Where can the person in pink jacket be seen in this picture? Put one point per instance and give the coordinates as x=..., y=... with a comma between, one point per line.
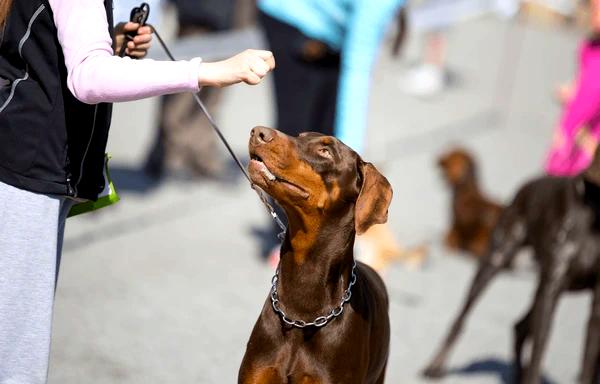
x=578, y=133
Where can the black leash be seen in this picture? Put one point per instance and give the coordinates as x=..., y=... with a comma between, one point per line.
x=140, y=15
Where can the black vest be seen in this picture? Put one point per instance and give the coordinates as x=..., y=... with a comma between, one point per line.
x=50, y=142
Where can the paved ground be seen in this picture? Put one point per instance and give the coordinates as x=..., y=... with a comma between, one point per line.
x=165, y=287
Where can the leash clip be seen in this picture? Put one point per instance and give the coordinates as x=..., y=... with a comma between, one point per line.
x=280, y=235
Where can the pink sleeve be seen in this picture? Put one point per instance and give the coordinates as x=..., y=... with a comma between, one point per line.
x=586, y=101
x=95, y=75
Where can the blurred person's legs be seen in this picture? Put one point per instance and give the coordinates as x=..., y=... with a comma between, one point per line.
x=306, y=79
x=306, y=82
x=185, y=141
x=31, y=233
x=435, y=18
x=429, y=77
x=550, y=12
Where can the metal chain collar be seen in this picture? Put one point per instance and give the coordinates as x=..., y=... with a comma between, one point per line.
x=319, y=321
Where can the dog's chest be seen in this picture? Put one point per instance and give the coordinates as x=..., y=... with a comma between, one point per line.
x=299, y=357
x=277, y=375
x=288, y=366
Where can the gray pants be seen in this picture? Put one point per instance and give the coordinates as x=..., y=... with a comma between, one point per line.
x=31, y=232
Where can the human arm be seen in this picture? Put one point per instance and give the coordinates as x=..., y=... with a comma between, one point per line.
x=95, y=75
x=585, y=102
x=365, y=31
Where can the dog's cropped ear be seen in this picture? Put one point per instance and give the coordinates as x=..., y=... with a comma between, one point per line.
x=373, y=200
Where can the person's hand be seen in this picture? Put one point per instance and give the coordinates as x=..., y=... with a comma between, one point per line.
x=565, y=93
x=586, y=141
x=138, y=47
x=250, y=67
x=558, y=139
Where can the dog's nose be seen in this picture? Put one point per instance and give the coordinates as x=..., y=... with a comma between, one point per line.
x=262, y=135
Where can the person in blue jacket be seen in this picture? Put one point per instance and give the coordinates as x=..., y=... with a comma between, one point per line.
x=325, y=51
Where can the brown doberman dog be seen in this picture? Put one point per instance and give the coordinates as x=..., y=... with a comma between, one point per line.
x=325, y=321
x=560, y=219
x=474, y=216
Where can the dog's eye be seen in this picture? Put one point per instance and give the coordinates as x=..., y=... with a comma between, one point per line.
x=325, y=152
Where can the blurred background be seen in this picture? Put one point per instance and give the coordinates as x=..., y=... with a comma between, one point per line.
x=165, y=286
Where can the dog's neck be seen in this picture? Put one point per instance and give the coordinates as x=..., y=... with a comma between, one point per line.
x=316, y=263
x=469, y=185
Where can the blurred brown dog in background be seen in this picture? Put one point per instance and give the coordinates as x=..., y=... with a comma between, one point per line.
x=473, y=214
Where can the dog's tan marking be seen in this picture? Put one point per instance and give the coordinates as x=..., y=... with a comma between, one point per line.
x=327, y=140
x=309, y=380
x=303, y=240
x=268, y=375
x=305, y=226
x=336, y=192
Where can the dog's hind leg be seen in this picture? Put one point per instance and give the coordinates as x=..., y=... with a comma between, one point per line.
x=591, y=354
x=507, y=238
x=485, y=273
x=598, y=369
x=522, y=331
x=552, y=279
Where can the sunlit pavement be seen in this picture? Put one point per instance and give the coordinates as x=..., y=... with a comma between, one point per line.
x=165, y=286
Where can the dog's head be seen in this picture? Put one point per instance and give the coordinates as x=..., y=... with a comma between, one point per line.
x=317, y=176
x=458, y=167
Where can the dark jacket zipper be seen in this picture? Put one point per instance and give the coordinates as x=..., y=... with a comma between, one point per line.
x=70, y=190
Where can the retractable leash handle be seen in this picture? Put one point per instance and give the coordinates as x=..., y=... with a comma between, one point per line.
x=140, y=15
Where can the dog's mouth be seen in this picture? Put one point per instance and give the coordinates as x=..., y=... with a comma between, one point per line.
x=262, y=168
x=258, y=167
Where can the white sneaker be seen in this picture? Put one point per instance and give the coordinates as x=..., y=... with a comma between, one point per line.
x=423, y=81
